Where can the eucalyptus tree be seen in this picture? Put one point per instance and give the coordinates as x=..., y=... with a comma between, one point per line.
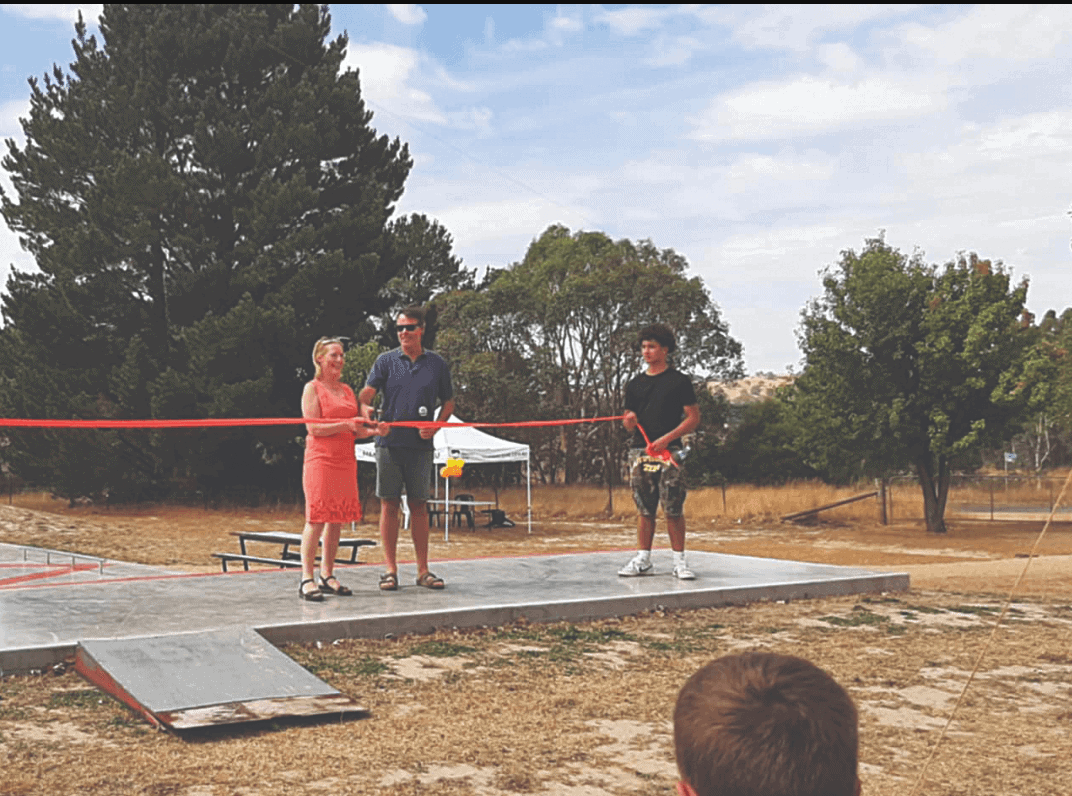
x=576, y=303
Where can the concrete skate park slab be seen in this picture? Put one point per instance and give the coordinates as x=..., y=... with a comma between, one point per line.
x=42, y=619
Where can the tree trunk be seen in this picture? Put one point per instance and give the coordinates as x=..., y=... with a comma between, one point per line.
x=611, y=469
x=161, y=322
x=1042, y=441
x=934, y=481
x=566, y=440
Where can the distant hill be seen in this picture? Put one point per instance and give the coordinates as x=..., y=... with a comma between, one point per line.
x=749, y=390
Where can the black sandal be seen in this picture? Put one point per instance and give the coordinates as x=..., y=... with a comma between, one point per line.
x=339, y=589
x=389, y=581
x=314, y=596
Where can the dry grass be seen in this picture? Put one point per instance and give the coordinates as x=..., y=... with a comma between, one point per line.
x=706, y=504
x=557, y=501
x=583, y=709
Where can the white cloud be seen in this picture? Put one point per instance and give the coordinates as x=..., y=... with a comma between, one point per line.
x=795, y=27
x=478, y=119
x=750, y=250
x=768, y=334
x=10, y=249
x=634, y=19
x=1035, y=147
x=525, y=45
x=667, y=167
x=443, y=78
x=487, y=221
x=673, y=50
x=1029, y=136
x=10, y=113
x=407, y=13
x=11, y=252
x=807, y=104
x=61, y=12
x=566, y=24
x=386, y=74
x=754, y=172
x=838, y=57
x=1003, y=32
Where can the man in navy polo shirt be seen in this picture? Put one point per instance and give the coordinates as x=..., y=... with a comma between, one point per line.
x=414, y=381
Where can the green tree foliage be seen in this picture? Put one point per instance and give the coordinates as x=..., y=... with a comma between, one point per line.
x=429, y=268
x=1046, y=439
x=707, y=463
x=493, y=383
x=562, y=326
x=909, y=364
x=762, y=449
x=204, y=196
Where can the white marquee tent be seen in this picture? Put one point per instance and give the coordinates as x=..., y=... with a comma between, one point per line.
x=473, y=446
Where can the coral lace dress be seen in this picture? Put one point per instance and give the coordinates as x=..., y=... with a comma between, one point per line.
x=329, y=475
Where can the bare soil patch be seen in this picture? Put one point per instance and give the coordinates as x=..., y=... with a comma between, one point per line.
x=585, y=708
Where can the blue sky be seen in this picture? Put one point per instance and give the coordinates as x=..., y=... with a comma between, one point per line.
x=759, y=142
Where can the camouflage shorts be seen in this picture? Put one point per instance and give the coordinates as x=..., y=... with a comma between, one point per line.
x=654, y=480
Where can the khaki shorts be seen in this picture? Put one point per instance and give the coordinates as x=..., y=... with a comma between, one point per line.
x=406, y=470
x=654, y=481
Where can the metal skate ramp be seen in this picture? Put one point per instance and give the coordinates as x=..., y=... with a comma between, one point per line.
x=185, y=681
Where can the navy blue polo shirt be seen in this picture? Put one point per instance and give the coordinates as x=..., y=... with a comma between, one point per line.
x=411, y=391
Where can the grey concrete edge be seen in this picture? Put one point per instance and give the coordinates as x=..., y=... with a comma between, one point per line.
x=393, y=625
x=26, y=660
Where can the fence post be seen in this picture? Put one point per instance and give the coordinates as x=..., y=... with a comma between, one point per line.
x=880, y=485
x=991, y=499
x=723, y=497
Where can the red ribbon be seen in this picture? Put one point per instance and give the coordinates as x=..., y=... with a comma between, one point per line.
x=269, y=421
x=11, y=422
x=664, y=455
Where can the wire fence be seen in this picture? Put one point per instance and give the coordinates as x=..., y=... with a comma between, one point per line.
x=982, y=497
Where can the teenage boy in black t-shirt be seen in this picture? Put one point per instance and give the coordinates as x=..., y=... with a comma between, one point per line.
x=662, y=401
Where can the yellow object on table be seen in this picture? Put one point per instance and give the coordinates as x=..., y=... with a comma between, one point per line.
x=453, y=468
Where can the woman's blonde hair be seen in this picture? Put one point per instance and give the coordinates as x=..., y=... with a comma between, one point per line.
x=319, y=347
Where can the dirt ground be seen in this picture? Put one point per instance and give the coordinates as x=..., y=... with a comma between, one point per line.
x=584, y=709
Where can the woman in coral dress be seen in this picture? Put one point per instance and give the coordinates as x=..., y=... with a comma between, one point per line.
x=329, y=475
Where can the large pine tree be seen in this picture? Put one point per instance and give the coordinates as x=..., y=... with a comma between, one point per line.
x=204, y=196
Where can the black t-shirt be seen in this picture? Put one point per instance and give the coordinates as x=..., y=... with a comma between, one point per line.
x=659, y=402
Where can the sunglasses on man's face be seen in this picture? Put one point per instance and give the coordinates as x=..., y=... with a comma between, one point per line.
x=407, y=327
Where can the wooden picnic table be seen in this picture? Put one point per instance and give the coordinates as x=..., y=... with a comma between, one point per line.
x=288, y=557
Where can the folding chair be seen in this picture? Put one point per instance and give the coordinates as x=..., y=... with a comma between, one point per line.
x=460, y=511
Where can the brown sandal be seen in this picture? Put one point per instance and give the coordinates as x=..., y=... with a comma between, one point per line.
x=430, y=581
x=389, y=581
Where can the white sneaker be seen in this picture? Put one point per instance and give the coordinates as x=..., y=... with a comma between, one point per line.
x=637, y=566
x=682, y=572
